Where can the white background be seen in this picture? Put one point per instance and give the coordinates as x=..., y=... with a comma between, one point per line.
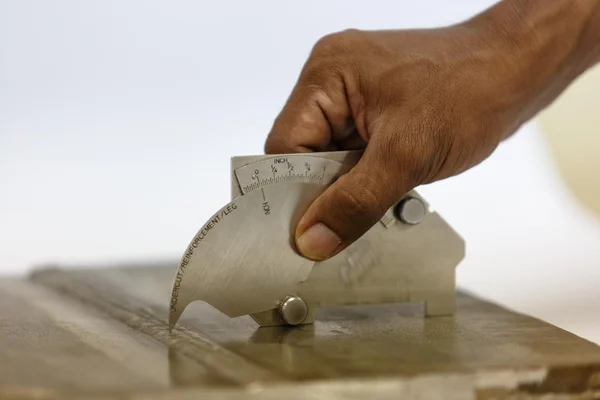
x=118, y=119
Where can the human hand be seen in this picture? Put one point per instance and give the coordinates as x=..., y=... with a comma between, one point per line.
x=423, y=104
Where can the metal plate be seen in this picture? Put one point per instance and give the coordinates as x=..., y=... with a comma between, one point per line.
x=395, y=261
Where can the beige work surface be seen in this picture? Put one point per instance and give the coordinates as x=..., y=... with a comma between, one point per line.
x=103, y=334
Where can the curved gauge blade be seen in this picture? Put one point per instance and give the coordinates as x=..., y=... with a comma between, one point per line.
x=304, y=168
x=243, y=261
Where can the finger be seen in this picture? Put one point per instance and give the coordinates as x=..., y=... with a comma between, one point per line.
x=352, y=142
x=350, y=206
x=316, y=112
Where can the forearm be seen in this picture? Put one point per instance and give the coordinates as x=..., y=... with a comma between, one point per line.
x=551, y=32
x=549, y=43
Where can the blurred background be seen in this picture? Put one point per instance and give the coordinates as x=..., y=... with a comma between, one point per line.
x=118, y=119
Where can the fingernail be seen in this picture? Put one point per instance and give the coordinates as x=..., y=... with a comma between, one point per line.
x=318, y=242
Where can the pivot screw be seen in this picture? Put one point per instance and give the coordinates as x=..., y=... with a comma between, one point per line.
x=411, y=211
x=293, y=310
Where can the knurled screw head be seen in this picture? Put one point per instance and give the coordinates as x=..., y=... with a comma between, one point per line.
x=411, y=211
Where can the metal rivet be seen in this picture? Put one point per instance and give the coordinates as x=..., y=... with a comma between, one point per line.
x=293, y=310
x=411, y=211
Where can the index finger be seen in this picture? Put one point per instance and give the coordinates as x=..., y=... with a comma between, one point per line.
x=316, y=110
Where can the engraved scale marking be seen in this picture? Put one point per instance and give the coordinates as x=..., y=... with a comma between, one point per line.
x=288, y=169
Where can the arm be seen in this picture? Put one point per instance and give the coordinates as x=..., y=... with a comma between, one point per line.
x=425, y=104
x=553, y=41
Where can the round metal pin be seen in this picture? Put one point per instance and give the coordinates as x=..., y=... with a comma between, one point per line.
x=411, y=211
x=293, y=310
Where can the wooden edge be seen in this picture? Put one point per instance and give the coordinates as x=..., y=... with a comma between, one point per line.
x=484, y=385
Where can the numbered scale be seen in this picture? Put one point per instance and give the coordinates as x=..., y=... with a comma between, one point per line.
x=288, y=169
x=243, y=260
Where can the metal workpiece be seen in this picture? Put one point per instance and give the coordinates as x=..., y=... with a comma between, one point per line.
x=243, y=260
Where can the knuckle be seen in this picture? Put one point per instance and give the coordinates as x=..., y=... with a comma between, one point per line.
x=338, y=41
x=328, y=44
x=332, y=54
x=315, y=93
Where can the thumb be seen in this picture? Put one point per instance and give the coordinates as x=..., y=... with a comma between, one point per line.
x=350, y=206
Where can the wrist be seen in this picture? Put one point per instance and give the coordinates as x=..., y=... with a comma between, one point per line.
x=546, y=44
